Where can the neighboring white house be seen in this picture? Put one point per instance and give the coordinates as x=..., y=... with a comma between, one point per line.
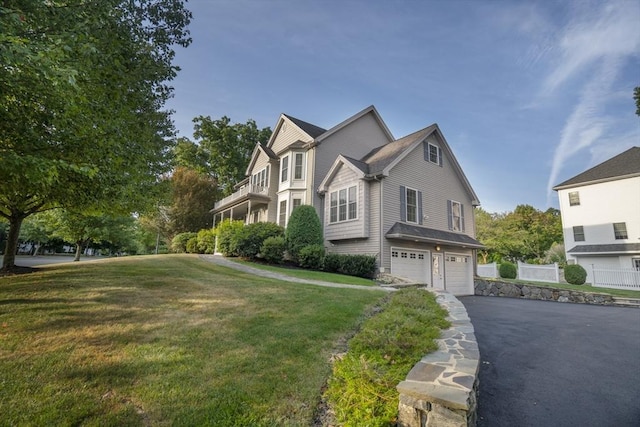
x=405, y=201
x=601, y=214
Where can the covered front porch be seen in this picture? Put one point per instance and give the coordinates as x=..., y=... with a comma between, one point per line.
x=248, y=204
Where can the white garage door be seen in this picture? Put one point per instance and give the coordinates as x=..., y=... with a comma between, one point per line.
x=411, y=264
x=458, y=274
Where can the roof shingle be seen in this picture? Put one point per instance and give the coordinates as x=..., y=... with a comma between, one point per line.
x=312, y=130
x=624, y=164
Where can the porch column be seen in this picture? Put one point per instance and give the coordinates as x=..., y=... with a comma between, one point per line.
x=248, y=220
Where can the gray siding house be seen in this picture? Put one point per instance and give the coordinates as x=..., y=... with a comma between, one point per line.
x=405, y=201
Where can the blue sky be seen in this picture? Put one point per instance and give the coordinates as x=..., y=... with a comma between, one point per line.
x=527, y=93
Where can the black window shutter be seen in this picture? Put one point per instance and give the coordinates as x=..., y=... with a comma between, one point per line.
x=440, y=156
x=403, y=203
x=449, y=214
x=425, y=145
x=462, y=216
x=420, y=207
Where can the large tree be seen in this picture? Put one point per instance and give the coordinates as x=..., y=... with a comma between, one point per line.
x=636, y=97
x=82, y=92
x=193, y=197
x=221, y=150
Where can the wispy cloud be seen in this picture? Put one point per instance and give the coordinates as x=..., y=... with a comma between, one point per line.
x=595, y=43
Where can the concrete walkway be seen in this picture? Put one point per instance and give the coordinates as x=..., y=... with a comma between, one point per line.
x=225, y=262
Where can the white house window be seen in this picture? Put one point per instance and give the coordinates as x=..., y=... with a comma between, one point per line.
x=343, y=204
x=434, y=154
x=298, y=162
x=620, y=230
x=261, y=178
x=635, y=262
x=296, y=203
x=574, y=198
x=284, y=169
x=456, y=216
x=578, y=233
x=282, y=220
x=412, y=205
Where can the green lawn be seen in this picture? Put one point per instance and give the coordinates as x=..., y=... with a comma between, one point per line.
x=301, y=273
x=582, y=288
x=166, y=340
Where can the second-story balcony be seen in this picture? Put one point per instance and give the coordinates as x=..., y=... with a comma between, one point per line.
x=248, y=192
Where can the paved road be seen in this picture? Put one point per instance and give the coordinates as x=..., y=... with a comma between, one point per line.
x=34, y=261
x=554, y=364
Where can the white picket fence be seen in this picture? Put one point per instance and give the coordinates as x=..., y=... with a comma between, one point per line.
x=488, y=270
x=539, y=273
x=621, y=278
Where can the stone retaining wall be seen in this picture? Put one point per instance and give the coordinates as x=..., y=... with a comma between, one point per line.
x=497, y=288
x=441, y=389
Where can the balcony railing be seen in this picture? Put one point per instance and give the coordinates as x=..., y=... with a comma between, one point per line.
x=244, y=191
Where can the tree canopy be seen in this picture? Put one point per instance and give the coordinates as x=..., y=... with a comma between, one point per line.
x=524, y=234
x=222, y=149
x=82, y=89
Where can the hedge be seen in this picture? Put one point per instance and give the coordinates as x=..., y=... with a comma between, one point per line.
x=351, y=265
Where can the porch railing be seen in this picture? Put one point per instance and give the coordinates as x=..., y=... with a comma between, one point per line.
x=249, y=189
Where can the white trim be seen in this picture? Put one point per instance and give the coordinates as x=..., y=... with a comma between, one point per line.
x=337, y=191
x=339, y=161
x=438, y=155
x=406, y=205
x=345, y=123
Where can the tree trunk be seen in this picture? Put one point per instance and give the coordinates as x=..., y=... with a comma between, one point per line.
x=79, y=245
x=9, y=258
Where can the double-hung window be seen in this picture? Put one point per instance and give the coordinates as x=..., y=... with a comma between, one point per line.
x=284, y=169
x=620, y=230
x=456, y=216
x=261, y=179
x=343, y=204
x=578, y=233
x=574, y=198
x=282, y=219
x=298, y=162
x=433, y=153
x=412, y=205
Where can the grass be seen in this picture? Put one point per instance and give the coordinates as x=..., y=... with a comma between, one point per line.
x=302, y=273
x=625, y=293
x=166, y=340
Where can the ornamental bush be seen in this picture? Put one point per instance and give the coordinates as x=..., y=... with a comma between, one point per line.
x=312, y=257
x=575, y=274
x=351, y=265
x=179, y=242
x=226, y=233
x=508, y=270
x=249, y=240
x=272, y=249
x=192, y=245
x=206, y=241
x=303, y=229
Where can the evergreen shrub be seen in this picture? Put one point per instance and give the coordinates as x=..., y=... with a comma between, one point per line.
x=575, y=274
x=179, y=242
x=303, y=229
x=192, y=245
x=206, y=241
x=272, y=249
x=249, y=240
x=312, y=257
x=508, y=270
x=226, y=232
x=351, y=265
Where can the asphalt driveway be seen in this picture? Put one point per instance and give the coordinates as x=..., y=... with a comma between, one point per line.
x=556, y=364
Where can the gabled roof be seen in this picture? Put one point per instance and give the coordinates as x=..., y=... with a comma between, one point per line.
x=624, y=165
x=379, y=158
x=358, y=167
x=369, y=110
x=312, y=130
x=403, y=231
x=254, y=156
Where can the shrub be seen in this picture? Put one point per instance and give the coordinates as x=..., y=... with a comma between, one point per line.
x=179, y=242
x=249, y=240
x=575, y=274
x=304, y=229
x=272, y=249
x=556, y=254
x=206, y=241
x=351, y=265
x=312, y=257
x=192, y=245
x=226, y=233
x=507, y=270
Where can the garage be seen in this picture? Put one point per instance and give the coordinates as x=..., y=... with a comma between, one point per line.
x=458, y=274
x=411, y=264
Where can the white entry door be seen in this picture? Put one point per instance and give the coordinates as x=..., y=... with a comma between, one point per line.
x=437, y=267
